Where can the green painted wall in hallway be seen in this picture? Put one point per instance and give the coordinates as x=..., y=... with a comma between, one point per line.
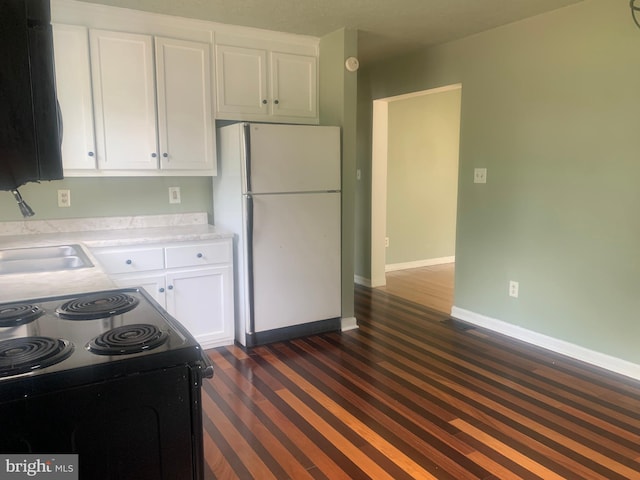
x=422, y=177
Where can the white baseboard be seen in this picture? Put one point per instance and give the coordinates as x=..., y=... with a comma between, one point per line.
x=349, y=323
x=555, y=345
x=365, y=282
x=211, y=341
x=392, y=267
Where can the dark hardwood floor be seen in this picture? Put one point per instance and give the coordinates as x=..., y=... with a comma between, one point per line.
x=412, y=394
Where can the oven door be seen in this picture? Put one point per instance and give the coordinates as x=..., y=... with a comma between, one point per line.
x=139, y=427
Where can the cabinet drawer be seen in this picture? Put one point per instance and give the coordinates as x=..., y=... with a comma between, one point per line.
x=131, y=260
x=198, y=254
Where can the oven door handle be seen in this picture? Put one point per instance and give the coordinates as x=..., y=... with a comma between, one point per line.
x=206, y=367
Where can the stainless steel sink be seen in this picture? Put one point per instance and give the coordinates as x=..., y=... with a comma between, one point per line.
x=43, y=259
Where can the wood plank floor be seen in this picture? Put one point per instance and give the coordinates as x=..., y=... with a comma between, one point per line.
x=412, y=394
x=430, y=286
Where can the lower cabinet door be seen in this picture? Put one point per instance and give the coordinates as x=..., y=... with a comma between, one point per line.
x=202, y=301
x=153, y=284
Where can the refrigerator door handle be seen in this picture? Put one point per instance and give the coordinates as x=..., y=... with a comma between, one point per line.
x=247, y=155
x=250, y=279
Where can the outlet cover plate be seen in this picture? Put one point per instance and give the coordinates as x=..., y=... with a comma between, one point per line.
x=514, y=288
x=64, y=198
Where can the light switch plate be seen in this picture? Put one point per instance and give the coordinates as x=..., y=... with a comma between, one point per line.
x=480, y=175
x=174, y=195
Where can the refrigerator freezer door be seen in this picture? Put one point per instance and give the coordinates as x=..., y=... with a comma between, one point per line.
x=296, y=259
x=293, y=158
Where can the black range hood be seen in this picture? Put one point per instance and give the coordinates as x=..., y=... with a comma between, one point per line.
x=30, y=125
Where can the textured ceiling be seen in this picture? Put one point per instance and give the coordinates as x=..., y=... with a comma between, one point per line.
x=385, y=27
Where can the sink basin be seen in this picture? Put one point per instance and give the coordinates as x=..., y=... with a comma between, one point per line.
x=43, y=259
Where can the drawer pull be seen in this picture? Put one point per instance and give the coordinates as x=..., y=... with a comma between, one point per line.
x=170, y=287
x=161, y=290
x=199, y=255
x=129, y=262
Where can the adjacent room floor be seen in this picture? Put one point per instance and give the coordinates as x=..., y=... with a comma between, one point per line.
x=428, y=286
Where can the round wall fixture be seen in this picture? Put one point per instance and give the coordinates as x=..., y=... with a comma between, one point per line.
x=352, y=64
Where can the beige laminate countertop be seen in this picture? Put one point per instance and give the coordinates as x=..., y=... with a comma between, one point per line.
x=19, y=287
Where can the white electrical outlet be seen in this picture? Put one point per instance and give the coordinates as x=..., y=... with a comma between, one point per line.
x=174, y=195
x=480, y=175
x=64, y=198
x=513, y=288
x=386, y=241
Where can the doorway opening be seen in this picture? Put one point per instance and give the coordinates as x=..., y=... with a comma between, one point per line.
x=415, y=151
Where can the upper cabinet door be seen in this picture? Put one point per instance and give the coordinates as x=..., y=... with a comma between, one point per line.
x=241, y=80
x=124, y=100
x=294, y=85
x=73, y=82
x=185, y=120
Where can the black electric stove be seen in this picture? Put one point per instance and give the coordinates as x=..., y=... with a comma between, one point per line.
x=108, y=375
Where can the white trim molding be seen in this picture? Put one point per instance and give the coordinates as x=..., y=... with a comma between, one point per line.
x=379, y=151
x=365, y=282
x=349, y=323
x=429, y=262
x=577, y=352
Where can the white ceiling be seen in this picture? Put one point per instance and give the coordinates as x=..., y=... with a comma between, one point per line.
x=385, y=27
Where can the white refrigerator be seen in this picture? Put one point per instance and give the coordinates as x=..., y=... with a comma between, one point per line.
x=278, y=191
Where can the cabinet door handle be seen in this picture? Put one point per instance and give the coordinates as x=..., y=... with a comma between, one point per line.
x=170, y=287
x=199, y=255
x=264, y=102
x=129, y=262
x=276, y=102
x=165, y=154
x=91, y=154
x=154, y=155
x=161, y=290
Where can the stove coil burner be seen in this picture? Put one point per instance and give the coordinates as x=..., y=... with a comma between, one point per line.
x=15, y=314
x=25, y=354
x=128, y=339
x=91, y=307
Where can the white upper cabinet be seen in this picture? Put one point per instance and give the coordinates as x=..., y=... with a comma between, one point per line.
x=264, y=84
x=124, y=100
x=294, y=85
x=140, y=93
x=185, y=119
x=73, y=79
x=147, y=98
x=242, y=81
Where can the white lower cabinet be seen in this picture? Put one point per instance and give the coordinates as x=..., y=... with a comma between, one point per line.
x=193, y=281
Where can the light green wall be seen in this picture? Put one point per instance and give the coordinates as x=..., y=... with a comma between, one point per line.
x=422, y=176
x=338, y=106
x=106, y=197
x=551, y=107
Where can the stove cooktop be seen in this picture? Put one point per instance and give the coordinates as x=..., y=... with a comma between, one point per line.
x=90, y=337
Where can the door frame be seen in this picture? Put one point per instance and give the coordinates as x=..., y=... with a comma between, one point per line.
x=379, y=159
